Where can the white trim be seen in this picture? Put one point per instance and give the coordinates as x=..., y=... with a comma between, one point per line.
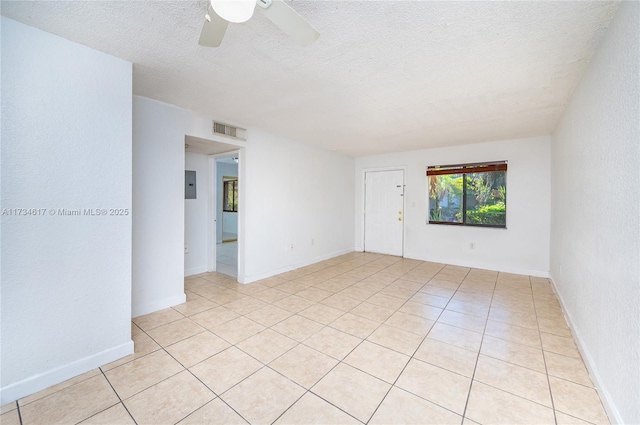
x=479, y=265
x=361, y=244
x=605, y=396
x=288, y=268
x=212, y=212
x=158, y=305
x=33, y=384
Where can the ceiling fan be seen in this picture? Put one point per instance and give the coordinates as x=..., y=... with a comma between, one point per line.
x=221, y=12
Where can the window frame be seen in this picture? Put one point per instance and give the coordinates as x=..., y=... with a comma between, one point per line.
x=465, y=170
x=233, y=182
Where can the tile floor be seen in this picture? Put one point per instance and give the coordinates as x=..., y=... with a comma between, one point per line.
x=361, y=338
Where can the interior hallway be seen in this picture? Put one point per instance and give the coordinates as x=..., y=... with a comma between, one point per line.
x=361, y=338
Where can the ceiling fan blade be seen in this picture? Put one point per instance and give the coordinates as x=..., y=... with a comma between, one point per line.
x=212, y=31
x=289, y=21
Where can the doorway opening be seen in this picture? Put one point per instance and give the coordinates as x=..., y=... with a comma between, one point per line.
x=227, y=185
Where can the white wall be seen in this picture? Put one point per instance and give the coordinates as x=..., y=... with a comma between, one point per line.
x=66, y=144
x=291, y=194
x=158, y=265
x=223, y=169
x=595, y=222
x=195, y=216
x=521, y=248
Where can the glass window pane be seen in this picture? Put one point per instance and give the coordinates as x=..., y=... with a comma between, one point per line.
x=445, y=198
x=486, y=195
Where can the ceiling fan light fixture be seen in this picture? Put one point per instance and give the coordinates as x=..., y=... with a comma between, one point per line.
x=236, y=11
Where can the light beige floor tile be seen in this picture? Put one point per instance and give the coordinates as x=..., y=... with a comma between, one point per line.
x=294, y=303
x=72, y=404
x=460, y=320
x=173, y=332
x=271, y=281
x=114, y=415
x=250, y=288
x=169, y=401
x=267, y=345
x=456, y=336
x=195, y=306
x=197, y=348
x=354, y=325
x=311, y=409
x=314, y=294
x=271, y=295
x=421, y=310
x=158, y=318
x=396, y=339
x=577, y=400
x=438, y=291
x=386, y=301
x=444, y=388
x=511, y=352
x=412, y=285
x=395, y=291
x=468, y=308
x=401, y=407
x=135, y=330
x=429, y=299
x=353, y=391
x=517, y=334
x=238, y=329
x=341, y=302
x=9, y=407
x=297, y=327
x=135, y=376
x=568, y=368
x=372, y=312
x=488, y=405
x=245, y=305
x=263, y=397
x=554, y=326
x=214, y=317
x=446, y=356
x=564, y=419
x=378, y=361
x=269, y=315
x=559, y=345
x=443, y=284
x=216, y=412
x=410, y=323
x=55, y=388
x=321, y=313
x=226, y=296
x=475, y=297
x=304, y=365
x=333, y=342
x=517, y=380
x=525, y=320
x=225, y=369
x=10, y=418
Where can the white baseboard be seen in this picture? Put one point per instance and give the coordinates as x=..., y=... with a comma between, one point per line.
x=483, y=266
x=253, y=278
x=140, y=310
x=605, y=397
x=33, y=384
x=195, y=270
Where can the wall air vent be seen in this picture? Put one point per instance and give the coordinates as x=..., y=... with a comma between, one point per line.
x=229, y=131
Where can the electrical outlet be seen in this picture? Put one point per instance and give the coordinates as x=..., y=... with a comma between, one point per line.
x=186, y=248
x=472, y=245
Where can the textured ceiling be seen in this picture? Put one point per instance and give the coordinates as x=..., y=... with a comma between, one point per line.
x=383, y=76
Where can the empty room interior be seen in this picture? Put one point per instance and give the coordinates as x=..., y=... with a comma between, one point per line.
x=320, y=212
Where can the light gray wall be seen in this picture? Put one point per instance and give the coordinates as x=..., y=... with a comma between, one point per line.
x=66, y=144
x=595, y=221
x=195, y=216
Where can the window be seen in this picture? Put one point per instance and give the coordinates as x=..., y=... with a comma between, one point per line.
x=468, y=194
x=230, y=194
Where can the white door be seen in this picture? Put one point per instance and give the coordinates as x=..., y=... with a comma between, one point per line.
x=384, y=212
